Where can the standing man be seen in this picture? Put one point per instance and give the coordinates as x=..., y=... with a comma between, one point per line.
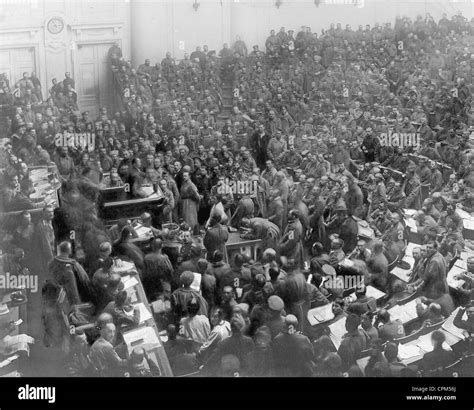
x=259, y=143
x=189, y=202
x=45, y=239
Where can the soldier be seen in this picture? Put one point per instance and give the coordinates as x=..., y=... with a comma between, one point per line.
x=291, y=158
x=424, y=173
x=412, y=187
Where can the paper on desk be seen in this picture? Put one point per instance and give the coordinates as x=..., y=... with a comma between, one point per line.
x=409, y=248
x=451, y=280
x=424, y=343
x=148, y=190
x=404, y=274
x=145, y=337
x=320, y=314
x=159, y=306
x=123, y=266
x=7, y=361
x=461, y=263
x=404, y=312
x=362, y=363
x=196, y=285
x=338, y=330
x=372, y=292
x=408, y=351
x=468, y=224
x=143, y=231
x=129, y=282
x=409, y=212
x=144, y=312
x=466, y=254
x=12, y=344
x=410, y=222
x=14, y=373
x=463, y=214
x=448, y=325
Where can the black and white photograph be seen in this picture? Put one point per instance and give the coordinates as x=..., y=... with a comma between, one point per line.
x=254, y=191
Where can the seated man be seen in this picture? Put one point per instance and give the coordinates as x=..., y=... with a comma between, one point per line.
x=142, y=365
x=66, y=272
x=439, y=357
x=119, y=310
x=103, y=355
x=389, y=329
x=430, y=315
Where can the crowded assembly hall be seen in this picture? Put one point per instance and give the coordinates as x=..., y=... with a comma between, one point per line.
x=299, y=208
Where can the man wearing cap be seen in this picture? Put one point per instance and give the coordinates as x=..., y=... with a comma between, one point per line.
x=275, y=319
x=291, y=242
x=412, y=188
x=424, y=173
x=349, y=230
x=276, y=146
x=291, y=158
x=146, y=220
x=370, y=145
x=380, y=192
x=465, y=291
x=434, y=282
x=276, y=209
x=262, y=228
x=237, y=344
x=292, y=351
x=259, y=144
x=215, y=237
x=158, y=269
x=180, y=297
x=436, y=180
x=269, y=172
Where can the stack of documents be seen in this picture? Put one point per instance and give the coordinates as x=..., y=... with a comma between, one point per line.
x=320, y=314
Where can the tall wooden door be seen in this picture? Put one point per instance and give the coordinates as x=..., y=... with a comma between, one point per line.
x=15, y=61
x=93, y=78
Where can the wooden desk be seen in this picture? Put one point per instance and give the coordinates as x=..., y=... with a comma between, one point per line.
x=136, y=292
x=235, y=244
x=15, y=313
x=129, y=208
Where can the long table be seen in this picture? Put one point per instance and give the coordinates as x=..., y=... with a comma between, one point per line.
x=15, y=367
x=414, y=350
x=146, y=334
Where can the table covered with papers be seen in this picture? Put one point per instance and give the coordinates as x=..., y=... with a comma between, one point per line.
x=146, y=334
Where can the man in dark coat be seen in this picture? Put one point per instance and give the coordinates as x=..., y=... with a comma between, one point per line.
x=259, y=143
x=292, y=351
x=435, y=272
x=216, y=236
x=69, y=274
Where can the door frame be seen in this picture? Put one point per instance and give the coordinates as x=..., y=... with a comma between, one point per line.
x=75, y=59
x=34, y=46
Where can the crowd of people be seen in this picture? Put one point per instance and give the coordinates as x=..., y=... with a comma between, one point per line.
x=328, y=139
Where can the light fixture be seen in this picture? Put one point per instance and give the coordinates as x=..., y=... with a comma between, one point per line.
x=317, y=2
x=278, y=3
x=196, y=5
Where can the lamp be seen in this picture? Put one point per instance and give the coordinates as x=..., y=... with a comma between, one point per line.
x=196, y=5
x=278, y=3
x=317, y=3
